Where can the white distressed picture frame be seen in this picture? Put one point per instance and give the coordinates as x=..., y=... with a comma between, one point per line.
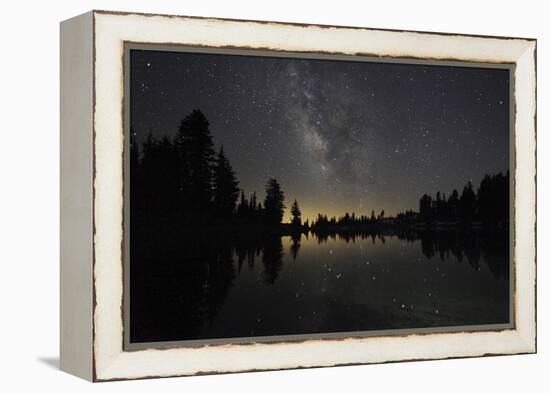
x=92, y=142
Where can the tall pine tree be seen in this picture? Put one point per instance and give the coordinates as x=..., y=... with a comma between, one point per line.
x=274, y=202
x=296, y=214
x=196, y=158
x=225, y=189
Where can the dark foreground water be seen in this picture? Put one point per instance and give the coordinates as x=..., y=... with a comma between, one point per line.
x=283, y=285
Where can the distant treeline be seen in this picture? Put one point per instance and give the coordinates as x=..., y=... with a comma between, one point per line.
x=491, y=203
x=323, y=222
x=184, y=182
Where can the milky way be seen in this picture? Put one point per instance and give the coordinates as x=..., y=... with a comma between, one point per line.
x=338, y=135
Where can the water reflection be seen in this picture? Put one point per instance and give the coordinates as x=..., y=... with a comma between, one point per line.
x=198, y=288
x=295, y=246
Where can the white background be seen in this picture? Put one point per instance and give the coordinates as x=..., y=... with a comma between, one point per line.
x=29, y=197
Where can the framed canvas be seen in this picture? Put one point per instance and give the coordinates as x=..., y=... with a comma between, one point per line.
x=245, y=195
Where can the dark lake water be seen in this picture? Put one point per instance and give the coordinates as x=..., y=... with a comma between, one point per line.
x=283, y=285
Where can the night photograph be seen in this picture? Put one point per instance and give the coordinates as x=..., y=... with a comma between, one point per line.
x=274, y=196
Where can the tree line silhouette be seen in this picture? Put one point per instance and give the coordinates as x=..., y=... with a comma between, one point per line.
x=489, y=205
x=185, y=183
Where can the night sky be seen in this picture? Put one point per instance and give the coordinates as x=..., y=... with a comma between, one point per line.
x=340, y=136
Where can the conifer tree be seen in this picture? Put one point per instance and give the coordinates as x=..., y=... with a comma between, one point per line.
x=274, y=202
x=296, y=214
x=196, y=158
x=225, y=188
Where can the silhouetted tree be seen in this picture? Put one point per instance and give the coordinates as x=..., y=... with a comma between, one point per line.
x=158, y=195
x=225, y=188
x=494, y=198
x=274, y=202
x=437, y=206
x=444, y=209
x=253, y=202
x=196, y=158
x=296, y=214
x=426, y=208
x=242, y=208
x=467, y=202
